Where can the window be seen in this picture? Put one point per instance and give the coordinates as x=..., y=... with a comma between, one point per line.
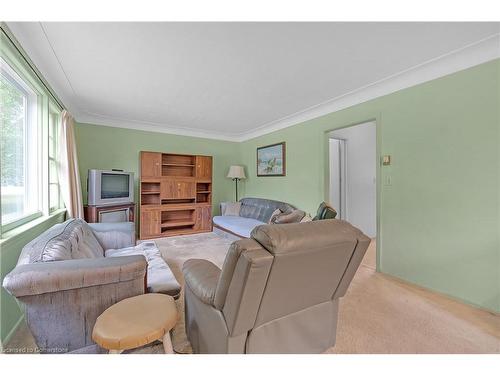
x=29, y=129
x=19, y=149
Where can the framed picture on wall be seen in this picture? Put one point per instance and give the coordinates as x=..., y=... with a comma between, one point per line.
x=271, y=160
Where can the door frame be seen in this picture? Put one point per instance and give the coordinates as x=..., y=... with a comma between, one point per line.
x=342, y=149
x=377, y=120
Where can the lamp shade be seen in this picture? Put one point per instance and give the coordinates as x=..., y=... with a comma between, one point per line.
x=236, y=171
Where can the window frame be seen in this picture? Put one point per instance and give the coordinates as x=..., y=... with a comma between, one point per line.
x=31, y=149
x=53, y=110
x=16, y=60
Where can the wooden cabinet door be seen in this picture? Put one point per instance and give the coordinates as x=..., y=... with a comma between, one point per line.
x=186, y=189
x=150, y=164
x=177, y=189
x=206, y=218
x=203, y=218
x=204, y=167
x=198, y=218
x=150, y=223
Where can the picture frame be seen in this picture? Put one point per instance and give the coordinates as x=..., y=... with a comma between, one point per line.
x=271, y=160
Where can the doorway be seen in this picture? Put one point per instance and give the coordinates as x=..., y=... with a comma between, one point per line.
x=353, y=171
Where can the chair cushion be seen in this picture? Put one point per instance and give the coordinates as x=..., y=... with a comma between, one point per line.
x=301, y=237
x=262, y=209
x=160, y=278
x=231, y=209
x=72, y=239
x=242, y=226
x=114, y=235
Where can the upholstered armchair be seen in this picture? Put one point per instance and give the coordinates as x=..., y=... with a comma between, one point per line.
x=63, y=298
x=277, y=292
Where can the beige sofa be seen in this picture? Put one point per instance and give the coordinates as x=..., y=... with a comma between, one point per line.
x=277, y=292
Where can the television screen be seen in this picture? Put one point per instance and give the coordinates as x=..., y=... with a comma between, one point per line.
x=114, y=185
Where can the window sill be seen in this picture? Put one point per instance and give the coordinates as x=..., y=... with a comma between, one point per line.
x=8, y=236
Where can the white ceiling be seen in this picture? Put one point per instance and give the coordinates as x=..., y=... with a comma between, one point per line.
x=226, y=80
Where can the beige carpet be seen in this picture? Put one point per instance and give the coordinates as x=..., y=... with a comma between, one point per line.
x=175, y=251
x=379, y=314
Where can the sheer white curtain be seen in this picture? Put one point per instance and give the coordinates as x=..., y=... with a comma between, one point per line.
x=69, y=177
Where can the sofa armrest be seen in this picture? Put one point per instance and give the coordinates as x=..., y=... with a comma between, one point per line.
x=47, y=277
x=114, y=235
x=201, y=276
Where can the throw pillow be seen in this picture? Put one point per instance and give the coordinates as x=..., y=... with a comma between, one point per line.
x=329, y=213
x=232, y=209
x=275, y=214
x=54, y=244
x=290, y=217
x=88, y=246
x=325, y=211
x=306, y=219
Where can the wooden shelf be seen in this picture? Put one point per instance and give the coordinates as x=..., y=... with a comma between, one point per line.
x=175, y=193
x=203, y=191
x=176, y=199
x=152, y=199
x=169, y=232
x=177, y=223
x=177, y=206
x=177, y=170
x=150, y=192
x=169, y=202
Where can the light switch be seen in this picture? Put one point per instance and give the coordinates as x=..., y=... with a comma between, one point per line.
x=388, y=181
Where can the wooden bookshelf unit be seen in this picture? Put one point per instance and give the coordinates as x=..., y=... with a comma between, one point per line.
x=175, y=194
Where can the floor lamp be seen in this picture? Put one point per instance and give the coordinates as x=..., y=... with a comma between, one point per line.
x=236, y=172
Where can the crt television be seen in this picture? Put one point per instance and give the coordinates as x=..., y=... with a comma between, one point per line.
x=109, y=187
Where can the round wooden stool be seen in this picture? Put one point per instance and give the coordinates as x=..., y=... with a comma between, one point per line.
x=136, y=321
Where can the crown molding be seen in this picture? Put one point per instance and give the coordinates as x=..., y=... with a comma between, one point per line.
x=98, y=119
x=482, y=51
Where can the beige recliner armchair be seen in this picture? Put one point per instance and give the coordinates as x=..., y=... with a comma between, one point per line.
x=278, y=291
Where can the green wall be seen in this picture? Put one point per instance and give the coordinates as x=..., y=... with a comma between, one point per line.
x=103, y=147
x=439, y=219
